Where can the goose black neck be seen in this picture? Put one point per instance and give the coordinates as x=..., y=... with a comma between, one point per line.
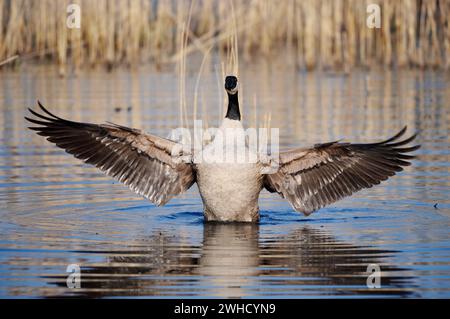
x=233, y=112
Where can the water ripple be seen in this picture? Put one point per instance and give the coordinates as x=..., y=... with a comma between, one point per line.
x=55, y=211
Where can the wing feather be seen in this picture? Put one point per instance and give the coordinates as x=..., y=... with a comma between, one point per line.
x=141, y=161
x=310, y=178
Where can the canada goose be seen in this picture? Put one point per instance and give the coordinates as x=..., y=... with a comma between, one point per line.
x=159, y=169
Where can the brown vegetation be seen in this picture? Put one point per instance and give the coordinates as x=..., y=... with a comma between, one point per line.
x=317, y=33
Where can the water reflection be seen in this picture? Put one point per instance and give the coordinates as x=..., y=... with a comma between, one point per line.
x=55, y=211
x=236, y=260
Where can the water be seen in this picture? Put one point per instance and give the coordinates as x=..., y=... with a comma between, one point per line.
x=55, y=211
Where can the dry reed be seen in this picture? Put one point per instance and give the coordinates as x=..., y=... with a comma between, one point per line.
x=319, y=33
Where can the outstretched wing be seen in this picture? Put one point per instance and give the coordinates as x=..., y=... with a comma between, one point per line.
x=141, y=161
x=314, y=177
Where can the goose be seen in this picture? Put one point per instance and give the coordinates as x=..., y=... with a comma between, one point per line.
x=159, y=169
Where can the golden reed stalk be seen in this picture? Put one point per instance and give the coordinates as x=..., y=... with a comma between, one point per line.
x=317, y=33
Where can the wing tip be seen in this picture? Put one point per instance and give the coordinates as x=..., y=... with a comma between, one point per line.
x=48, y=112
x=403, y=142
x=396, y=136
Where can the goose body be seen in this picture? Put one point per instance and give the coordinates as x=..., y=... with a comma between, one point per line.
x=229, y=178
x=229, y=188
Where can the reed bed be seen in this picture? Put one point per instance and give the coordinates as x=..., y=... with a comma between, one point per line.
x=316, y=33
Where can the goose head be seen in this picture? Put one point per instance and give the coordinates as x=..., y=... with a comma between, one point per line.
x=231, y=86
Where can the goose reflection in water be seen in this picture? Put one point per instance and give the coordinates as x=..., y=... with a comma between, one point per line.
x=235, y=260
